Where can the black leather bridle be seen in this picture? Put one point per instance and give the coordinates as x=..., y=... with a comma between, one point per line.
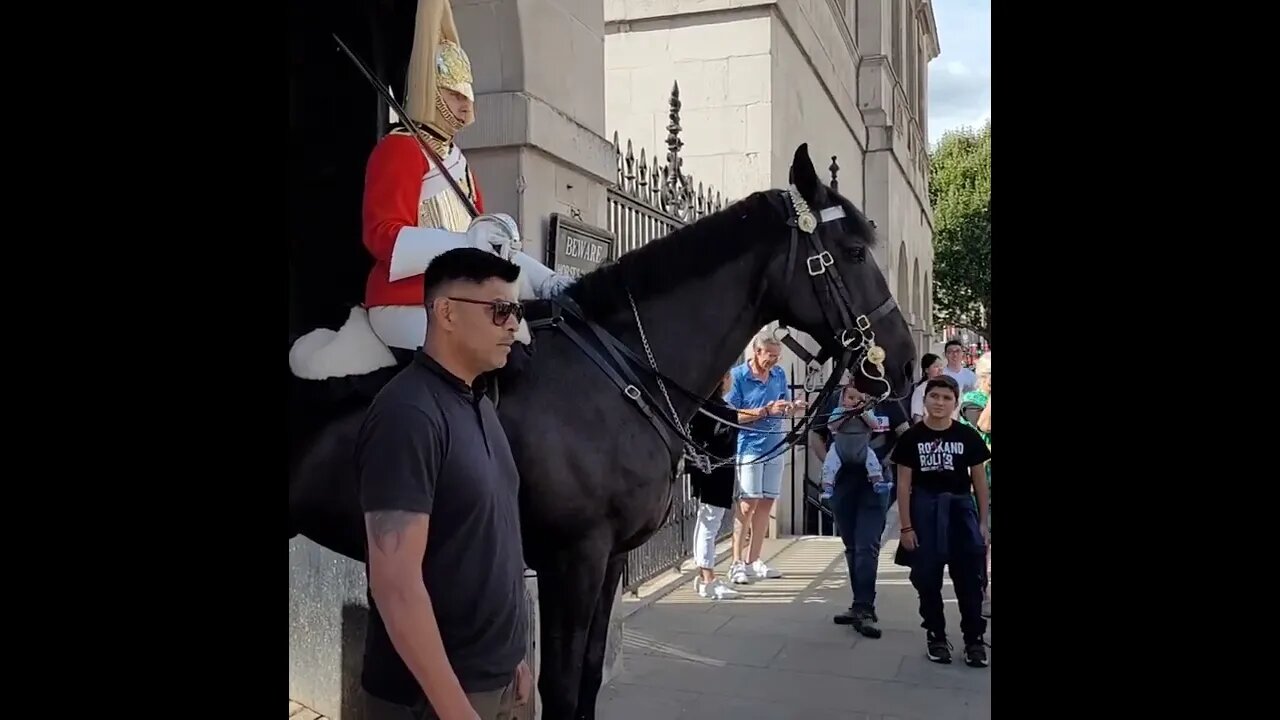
x=852, y=332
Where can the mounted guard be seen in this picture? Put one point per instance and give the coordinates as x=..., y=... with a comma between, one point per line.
x=412, y=212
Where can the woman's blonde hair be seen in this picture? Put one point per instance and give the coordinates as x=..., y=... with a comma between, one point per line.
x=983, y=366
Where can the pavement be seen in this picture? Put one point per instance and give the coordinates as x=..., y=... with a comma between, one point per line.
x=775, y=654
x=299, y=712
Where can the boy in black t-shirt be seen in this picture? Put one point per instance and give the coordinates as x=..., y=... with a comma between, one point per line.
x=939, y=472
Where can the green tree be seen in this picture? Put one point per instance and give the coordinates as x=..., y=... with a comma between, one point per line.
x=960, y=191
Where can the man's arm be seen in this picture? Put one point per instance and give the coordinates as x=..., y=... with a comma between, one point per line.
x=397, y=544
x=905, y=458
x=904, y=496
x=821, y=434
x=745, y=415
x=819, y=445
x=399, y=453
x=976, y=457
x=978, y=476
x=753, y=414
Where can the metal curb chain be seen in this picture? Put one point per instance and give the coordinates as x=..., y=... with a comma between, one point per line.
x=654, y=364
x=699, y=458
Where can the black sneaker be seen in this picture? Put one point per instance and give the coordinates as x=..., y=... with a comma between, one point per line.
x=975, y=654
x=864, y=621
x=938, y=649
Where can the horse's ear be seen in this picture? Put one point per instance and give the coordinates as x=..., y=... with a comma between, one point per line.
x=802, y=174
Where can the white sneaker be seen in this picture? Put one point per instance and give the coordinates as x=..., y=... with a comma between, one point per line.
x=714, y=590
x=738, y=574
x=760, y=570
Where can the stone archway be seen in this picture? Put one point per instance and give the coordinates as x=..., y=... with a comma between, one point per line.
x=917, y=309
x=917, y=294
x=927, y=290
x=902, y=289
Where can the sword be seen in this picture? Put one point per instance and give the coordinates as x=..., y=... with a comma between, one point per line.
x=417, y=134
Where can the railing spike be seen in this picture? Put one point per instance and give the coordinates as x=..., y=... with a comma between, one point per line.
x=630, y=160
x=642, y=171
x=617, y=159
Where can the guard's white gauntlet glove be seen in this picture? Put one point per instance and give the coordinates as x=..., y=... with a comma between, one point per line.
x=497, y=233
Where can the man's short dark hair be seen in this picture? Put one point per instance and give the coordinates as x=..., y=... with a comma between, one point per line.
x=957, y=343
x=470, y=264
x=943, y=381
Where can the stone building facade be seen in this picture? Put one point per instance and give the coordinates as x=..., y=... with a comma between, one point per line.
x=759, y=77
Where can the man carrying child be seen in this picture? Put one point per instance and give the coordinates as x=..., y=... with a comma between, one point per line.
x=858, y=486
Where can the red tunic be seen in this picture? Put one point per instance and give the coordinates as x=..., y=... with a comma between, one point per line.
x=394, y=179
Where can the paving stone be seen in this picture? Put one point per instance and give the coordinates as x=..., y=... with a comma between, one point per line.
x=775, y=653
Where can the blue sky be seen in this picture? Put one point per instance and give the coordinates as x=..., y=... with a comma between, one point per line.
x=960, y=77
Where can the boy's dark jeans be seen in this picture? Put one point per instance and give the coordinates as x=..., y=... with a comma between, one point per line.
x=946, y=527
x=860, y=513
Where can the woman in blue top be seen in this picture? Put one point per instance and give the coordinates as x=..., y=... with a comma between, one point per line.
x=760, y=393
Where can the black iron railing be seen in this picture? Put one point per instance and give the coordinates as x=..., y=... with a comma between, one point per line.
x=649, y=201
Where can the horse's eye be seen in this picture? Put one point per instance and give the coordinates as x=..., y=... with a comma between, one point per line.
x=856, y=254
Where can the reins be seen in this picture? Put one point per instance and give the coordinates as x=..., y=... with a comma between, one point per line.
x=850, y=330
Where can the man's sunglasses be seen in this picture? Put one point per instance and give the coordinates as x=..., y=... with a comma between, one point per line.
x=502, y=309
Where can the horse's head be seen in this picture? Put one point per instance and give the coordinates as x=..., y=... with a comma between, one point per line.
x=824, y=282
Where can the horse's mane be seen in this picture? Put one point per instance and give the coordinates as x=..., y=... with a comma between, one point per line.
x=694, y=251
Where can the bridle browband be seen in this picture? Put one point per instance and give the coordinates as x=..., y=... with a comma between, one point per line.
x=850, y=330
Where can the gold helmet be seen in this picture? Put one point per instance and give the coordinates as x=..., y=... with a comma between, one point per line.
x=437, y=61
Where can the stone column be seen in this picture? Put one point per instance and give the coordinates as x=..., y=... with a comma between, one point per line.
x=538, y=144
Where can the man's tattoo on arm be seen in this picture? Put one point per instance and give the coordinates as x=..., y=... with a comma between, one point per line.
x=388, y=526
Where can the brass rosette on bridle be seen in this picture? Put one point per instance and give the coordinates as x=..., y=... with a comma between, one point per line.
x=805, y=219
x=876, y=356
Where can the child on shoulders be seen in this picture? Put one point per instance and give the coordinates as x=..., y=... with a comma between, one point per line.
x=849, y=398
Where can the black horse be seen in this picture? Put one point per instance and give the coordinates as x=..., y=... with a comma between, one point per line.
x=596, y=473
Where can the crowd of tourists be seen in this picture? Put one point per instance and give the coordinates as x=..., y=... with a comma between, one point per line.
x=934, y=466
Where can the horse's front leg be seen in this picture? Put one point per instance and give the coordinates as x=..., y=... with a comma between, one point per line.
x=569, y=585
x=597, y=639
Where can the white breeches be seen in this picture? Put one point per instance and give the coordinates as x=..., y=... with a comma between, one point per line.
x=400, y=326
x=704, y=538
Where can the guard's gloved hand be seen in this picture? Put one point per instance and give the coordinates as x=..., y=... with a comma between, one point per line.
x=497, y=233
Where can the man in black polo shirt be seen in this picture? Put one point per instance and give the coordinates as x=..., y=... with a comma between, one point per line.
x=438, y=486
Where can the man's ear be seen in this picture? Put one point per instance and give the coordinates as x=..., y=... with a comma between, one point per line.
x=440, y=310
